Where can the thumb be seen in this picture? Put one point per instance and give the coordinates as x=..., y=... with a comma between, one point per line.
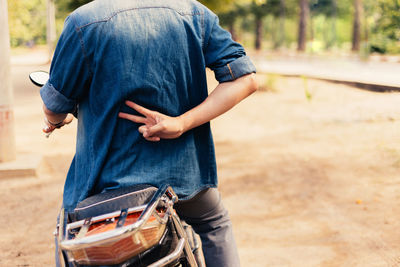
x=68, y=119
x=151, y=131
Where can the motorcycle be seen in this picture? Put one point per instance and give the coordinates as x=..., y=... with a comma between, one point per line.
x=131, y=226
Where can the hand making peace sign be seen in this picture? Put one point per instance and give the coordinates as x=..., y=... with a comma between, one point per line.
x=156, y=125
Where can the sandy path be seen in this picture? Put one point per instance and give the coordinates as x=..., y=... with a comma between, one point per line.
x=313, y=183
x=307, y=183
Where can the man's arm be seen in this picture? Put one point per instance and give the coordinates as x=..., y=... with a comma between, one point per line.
x=225, y=96
x=70, y=75
x=54, y=120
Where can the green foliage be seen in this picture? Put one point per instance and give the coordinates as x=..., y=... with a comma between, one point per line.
x=325, y=7
x=269, y=83
x=275, y=7
x=27, y=22
x=330, y=24
x=343, y=32
x=230, y=16
x=385, y=22
x=345, y=8
x=28, y=19
x=258, y=9
x=70, y=5
x=307, y=92
x=218, y=5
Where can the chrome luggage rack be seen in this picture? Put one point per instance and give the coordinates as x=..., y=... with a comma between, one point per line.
x=125, y=241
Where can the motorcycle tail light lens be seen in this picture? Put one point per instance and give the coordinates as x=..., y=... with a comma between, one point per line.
x=120, y=250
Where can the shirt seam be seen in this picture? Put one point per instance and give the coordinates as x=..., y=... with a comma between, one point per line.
x=82, y=44
x=202, y=31
x=230, y=70
x=208, y=40
x=182, y=13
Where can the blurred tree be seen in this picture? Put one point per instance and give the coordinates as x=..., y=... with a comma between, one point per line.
x=389, y=19
x=27, y=19
x=228, y=18
x=370, y=25
x=229, y=11
x=327, y=9
x=70, y=5
x=282, y=16
x=302, y=33
x=220, y=6
x=324, y=7
x=356, y=39
x=278, y=10
x=259, y=10
x=384, y=25
x=243, y=8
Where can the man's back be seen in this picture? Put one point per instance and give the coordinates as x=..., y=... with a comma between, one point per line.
x=150, y=56
x=150, y=52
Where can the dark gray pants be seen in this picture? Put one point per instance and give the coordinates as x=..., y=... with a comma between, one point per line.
x=208, y=217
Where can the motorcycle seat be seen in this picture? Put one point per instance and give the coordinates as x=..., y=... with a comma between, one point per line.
x=113, y=200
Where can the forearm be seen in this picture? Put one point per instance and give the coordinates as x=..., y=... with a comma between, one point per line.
x=52, y=117
x=222, y=98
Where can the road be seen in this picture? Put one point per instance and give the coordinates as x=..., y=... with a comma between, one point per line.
x=350, y=70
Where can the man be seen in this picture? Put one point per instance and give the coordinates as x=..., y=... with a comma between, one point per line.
x=135, y=70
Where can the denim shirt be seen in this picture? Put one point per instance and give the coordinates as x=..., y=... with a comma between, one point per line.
x=154, y=53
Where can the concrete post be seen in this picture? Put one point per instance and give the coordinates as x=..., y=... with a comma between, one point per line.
x=51, y=27
x=7, y=138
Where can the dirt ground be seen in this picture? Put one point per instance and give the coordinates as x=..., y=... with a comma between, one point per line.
x=308, y=181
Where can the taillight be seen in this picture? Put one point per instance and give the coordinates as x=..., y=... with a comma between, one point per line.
x=120, y=249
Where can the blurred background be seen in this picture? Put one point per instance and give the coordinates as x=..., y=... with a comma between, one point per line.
x=308, y=166
x=314, y=26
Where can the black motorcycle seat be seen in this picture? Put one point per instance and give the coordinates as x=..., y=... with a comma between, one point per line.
x=113, y=200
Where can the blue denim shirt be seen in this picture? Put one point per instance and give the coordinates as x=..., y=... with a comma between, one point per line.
x=155, y=53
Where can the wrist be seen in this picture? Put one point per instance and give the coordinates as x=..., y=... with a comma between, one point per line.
x=184, y=122
x=58, y=124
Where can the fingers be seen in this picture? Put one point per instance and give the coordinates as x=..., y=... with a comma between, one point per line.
x=154, y=129
x=131, y=117
x=144, y=111
x=153, y=139
x=147, y=131
x=142, y=129
x=148, y=134
x=48, y=129
x=68, y=119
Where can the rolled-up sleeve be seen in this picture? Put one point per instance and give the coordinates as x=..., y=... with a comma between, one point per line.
x=235, y=69
x=224, y=56
x=69, y=72
x=55, y=101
